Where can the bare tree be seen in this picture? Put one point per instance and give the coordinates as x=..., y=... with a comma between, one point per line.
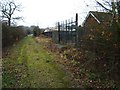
x=8, y=8
x=112, y=6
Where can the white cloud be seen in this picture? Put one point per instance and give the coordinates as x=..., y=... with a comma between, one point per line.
x=48, y=12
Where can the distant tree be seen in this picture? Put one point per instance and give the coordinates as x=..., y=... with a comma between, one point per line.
x=8, y=9
x=36, y=31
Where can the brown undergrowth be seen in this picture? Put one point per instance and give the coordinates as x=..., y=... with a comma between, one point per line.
x=81, y=63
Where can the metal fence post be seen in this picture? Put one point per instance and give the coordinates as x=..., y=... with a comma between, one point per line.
x=76, y=24
x=66, y=32
x=58, y=32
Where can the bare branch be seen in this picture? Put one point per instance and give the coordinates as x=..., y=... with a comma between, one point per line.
x=103, y=6
x=17, y=18
x=8, y=9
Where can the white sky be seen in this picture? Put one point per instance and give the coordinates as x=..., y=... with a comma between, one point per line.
x=45, y=13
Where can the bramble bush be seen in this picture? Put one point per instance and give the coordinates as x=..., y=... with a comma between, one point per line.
x=105, y=45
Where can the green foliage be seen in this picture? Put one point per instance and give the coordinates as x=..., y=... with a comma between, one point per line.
x=92, y=76
x=13, y=71
x=36, y=31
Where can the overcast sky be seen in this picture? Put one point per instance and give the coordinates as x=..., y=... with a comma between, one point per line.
x=45, y=13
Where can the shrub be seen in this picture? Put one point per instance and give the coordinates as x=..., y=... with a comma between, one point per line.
x=11, y=35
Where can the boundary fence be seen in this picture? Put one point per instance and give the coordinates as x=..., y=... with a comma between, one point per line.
x=68, y=32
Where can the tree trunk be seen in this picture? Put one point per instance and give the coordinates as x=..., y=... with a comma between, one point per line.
x=9, y=21
x=118, y=8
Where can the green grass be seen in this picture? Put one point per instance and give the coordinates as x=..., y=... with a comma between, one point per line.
x=13, y=71
x=30, y=65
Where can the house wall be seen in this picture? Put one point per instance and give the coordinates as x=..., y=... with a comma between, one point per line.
x=90, y=27
x=93, y=32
